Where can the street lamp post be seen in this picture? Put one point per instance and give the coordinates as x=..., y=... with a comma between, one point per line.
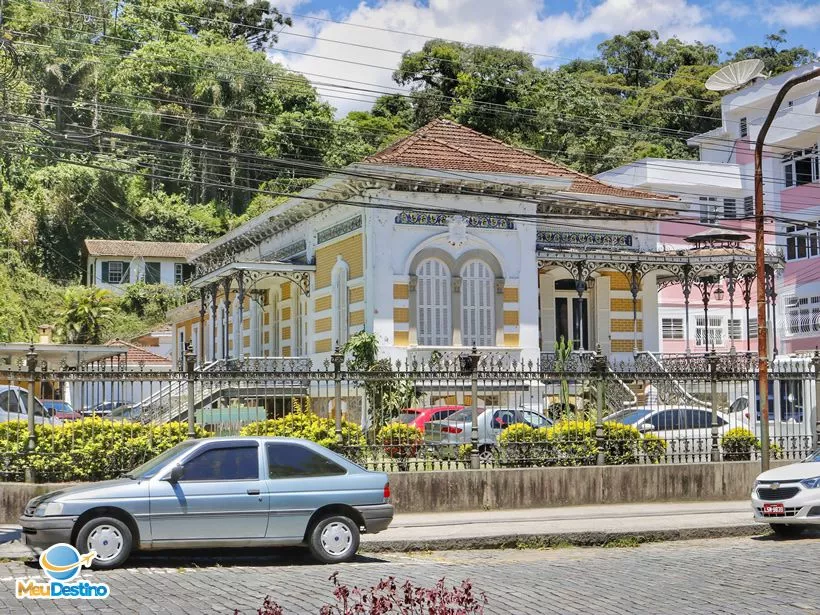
x=760, y=265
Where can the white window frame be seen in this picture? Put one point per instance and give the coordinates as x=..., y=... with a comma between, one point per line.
x=735, y=329
x=341, y=302
x=708, y=209
x=802, y=241
x=716, y=335
x=790, y=166
x=730, y=208
x=179, y=273
x=433, y=294
x=477, y=304
x=119, y=274
x=672, y=328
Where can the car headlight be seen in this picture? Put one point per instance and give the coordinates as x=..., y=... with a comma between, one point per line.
x=49, y=509
x=811, y=483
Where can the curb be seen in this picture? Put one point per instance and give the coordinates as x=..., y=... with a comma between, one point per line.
x=546, y=540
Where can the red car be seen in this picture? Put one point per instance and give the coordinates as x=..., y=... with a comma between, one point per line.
x=419, y=417
x=61, y=409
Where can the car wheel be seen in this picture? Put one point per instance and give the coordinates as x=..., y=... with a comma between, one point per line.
x=486, y=455
x=786, y=530
x=109, y=537
x=334, y=539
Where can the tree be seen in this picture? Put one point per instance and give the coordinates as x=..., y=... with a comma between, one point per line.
x=632, y=55
x=775, y=59
x=84, y=314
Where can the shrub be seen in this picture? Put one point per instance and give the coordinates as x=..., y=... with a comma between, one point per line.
x=312, y=427
x=88, y=450
x=400, y=441
x=738, y=444
x=653, y=447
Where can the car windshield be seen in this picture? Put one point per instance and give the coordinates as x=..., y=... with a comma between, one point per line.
x=38, y=407
x=815, y=456
x=149, y=468
x=533, y=419
x=407, y=416
x=636, y=416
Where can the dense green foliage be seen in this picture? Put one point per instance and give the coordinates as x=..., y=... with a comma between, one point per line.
x=311, y=427
x=165, y=120
x=87, y=450
x=574, y=443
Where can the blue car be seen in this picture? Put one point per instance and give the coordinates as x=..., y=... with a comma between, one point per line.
x=219, y=492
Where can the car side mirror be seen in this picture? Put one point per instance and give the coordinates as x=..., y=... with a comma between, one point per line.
x=646, y=427
x=175, y=475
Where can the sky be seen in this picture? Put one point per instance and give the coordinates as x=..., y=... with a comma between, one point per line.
x=344, y=41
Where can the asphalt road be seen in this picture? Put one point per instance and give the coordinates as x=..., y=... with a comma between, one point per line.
x=732, y=575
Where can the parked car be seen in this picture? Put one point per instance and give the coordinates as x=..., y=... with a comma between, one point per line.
x=788, y=498
x=686, y=429
x=61, y=409
x=103, y=409
x=14, y=407
x=219, y=492
x=419, y=417
x=127, y=412
x=443, y=438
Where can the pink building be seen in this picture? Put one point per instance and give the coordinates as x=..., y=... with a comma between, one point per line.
x=717, y=192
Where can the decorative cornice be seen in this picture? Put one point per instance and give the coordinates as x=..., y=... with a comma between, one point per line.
x=554, y=238
x=337, y=230
x=434, y=219
x=289, y=251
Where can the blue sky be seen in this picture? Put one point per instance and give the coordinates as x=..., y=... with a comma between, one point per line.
x=364, y=40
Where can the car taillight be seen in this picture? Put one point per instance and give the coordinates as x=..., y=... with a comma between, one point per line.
x=448, y=429
x=387, y=491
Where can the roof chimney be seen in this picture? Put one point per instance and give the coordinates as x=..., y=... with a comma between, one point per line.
x=45, y=332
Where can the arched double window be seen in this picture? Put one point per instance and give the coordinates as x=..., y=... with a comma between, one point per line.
x=433, y=300
x=341, y=307
x=477, y=304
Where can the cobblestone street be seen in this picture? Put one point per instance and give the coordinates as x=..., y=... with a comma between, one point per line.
x=736, y=575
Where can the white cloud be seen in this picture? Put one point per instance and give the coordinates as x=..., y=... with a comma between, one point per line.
x=515, y=24
x=792, y=14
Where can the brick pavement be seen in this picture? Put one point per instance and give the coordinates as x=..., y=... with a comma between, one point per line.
x=732, y=575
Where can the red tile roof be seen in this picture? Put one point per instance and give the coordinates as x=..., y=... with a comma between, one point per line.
x=138, y=354
x=132, y=249
x=446, y=145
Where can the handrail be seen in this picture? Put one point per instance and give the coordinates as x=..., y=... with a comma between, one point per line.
x=669, y=379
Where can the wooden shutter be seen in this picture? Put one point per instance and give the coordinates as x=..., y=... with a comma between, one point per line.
x=478, y=305
x=433, y=298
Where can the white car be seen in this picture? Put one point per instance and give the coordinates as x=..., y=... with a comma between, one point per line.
x=686, y=429
x=14, y=407
x=788, y=498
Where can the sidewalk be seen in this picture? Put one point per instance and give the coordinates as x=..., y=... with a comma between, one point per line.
x=578, y=525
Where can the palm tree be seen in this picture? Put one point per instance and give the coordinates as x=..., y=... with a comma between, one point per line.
x=84, y=314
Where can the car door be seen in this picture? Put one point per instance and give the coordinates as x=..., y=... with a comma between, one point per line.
x=667, y=424
x=301, y=480
x=221, y=495
x=699, y=424
x=499, y=420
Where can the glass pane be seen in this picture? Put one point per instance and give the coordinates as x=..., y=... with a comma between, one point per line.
x=295, y=461
x=235, y=463
x=561, y=319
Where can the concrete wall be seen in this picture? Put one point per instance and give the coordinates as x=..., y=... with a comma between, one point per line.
x=464, y=490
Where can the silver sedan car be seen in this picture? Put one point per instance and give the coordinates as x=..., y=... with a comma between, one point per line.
x=219, y=492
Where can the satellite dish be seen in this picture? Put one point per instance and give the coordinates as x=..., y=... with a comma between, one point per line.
x=735, y=75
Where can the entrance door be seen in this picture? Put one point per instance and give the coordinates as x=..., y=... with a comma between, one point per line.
x=572, y=320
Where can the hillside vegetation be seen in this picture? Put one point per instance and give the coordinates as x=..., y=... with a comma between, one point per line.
x=164, y=120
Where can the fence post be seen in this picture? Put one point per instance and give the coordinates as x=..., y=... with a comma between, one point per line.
x=815, y=361
x=31, y=364
x=471, y=365
x=599, y=366
x=190, y=362
x=337, y=358
x=713, y=365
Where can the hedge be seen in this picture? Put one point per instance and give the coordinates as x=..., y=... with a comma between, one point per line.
x=574, y=443
x=89, y=450
x=739, y=444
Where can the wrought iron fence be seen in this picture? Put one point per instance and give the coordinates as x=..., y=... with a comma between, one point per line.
x=448, y=412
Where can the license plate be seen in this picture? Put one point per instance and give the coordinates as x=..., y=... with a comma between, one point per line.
x=774, y=509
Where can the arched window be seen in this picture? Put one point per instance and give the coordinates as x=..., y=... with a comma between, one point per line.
x=433, y=300
x=477, y=304
x=340, y=303
x=275, y=349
